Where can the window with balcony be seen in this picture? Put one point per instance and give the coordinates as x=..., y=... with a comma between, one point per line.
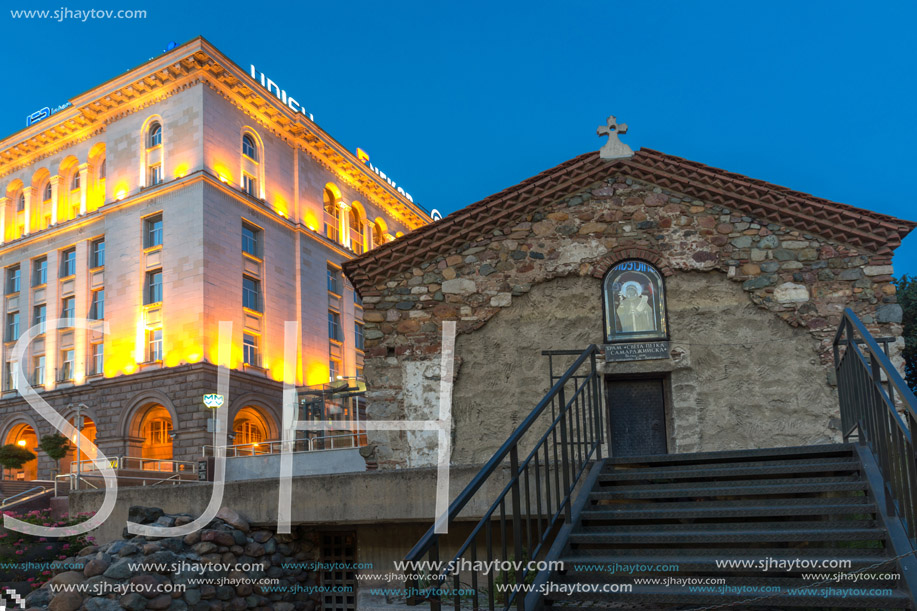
x=155, y=174
x=68, y=263
x=251, y=294
x=251, y=239
x=356, y=231
x=152, y=292
x=68, y=310
x=12, y=326
x=154, y=345
x=250, y=185
x=97, y=305
x=97, y=253
x=250, y=354
x=332, y=214
x=40, y=271
x=152, y=231
x=12, y=279
x=39, y=316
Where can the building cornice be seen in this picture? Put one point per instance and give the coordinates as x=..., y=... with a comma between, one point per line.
x=187, y=65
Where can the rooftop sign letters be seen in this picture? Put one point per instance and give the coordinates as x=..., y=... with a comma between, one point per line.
x=280, y=94
x=364, y=157
x=44, y=113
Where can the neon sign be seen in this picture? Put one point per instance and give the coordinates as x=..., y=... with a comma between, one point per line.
x=280, y=94
x=44, y=113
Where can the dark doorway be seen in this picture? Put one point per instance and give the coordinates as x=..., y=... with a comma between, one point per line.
x=636, y=416
x=339, y=550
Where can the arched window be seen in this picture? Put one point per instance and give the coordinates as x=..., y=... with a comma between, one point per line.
x=75, y=181
x=248, y=148
x=20, y=203
x=154, y=137
x=47, y=194
x=332, y=214
x=634, y=302
x=356, y=230
x=102, y=170
x=378, y=235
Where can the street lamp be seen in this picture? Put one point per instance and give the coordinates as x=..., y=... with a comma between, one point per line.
x=79, y=428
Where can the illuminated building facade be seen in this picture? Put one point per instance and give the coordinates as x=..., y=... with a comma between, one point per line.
x=175, y=196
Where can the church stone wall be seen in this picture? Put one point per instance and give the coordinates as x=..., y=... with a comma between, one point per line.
x=753, y=308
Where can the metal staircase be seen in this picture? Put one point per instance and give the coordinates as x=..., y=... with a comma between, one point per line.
x=693, y=531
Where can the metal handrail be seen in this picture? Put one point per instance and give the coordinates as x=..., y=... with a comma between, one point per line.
x=7, y=501
x=878, y=407
x=540, y=488
x=276, y=446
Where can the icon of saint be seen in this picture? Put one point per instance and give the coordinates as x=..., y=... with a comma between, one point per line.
x=634, y=310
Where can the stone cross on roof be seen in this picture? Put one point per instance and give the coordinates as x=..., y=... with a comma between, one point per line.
x=614, y=148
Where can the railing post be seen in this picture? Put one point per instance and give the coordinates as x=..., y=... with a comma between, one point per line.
x=564, y=453
x=517, y=519
x=596, y=406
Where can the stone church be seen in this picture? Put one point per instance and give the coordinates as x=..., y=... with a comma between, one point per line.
x=716, y=296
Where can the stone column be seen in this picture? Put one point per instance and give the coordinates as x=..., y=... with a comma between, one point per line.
x=84, y=186
x=4, y=204
x=55, y=198
x=344, y=223
x=27, y=192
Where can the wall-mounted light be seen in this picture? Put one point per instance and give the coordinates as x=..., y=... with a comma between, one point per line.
x=120, y=195
x=21, y=443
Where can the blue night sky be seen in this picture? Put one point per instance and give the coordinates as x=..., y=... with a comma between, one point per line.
x=458, y=100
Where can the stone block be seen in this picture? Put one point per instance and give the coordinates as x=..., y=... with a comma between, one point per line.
x=791, y=293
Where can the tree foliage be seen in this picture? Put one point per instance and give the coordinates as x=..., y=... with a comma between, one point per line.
x=907, y=299
x=14, y=457
x=55, y=446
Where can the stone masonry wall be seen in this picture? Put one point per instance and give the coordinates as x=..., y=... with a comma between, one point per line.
x=796, y=278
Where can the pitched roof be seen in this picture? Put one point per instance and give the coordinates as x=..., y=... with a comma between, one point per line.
x=871, y=231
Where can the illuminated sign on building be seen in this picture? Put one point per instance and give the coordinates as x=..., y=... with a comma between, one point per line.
x=280, y=94
x=364, y=157
x=44, y=113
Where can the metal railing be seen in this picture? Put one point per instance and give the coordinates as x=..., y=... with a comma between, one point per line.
x=25, y=494
x=312, y=444
x=161, y=470
x=535, y=501
x=879, y=409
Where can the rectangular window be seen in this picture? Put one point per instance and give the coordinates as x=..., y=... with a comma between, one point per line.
x=97, y=354
x=152, y=231
x=153, y=288
x=334, y=326
x=38, y=370
x=250, y=350
x=9, y=379
x=155, y=344
x=97, y=254
x=68, y=309
x=68, y=262
x=12, y=279
x=39, y=315
x=251, y=294
x=334, y=369
x=97, y=306
x=358, y=335
x=357, y=300
x=155, y=174
x=66, y=368
x=12, y=326
x=249, y=184
x=334, y=280
x=251, y=238
x=40, y=271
